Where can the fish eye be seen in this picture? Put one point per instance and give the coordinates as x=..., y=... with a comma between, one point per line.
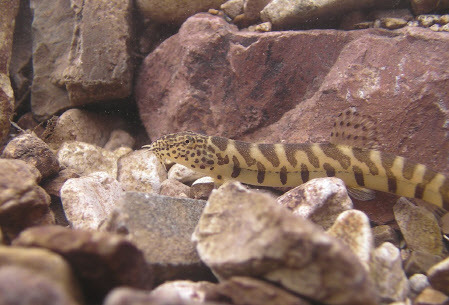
x=188, y=140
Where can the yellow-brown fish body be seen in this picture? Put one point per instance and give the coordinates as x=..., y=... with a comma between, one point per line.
x=293, y=164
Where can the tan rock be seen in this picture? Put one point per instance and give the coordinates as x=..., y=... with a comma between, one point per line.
x=84, y=158
x=419, y=262
x=89, y=200
x=419, y=227
x=387, y=274
x=174, y=188
x=353, y=229
x=53, y=186
x=246, y=233
x=233, y=8
x=22, y=202
x=183, y=174
x=161, y=227
x=29, y=148
x=141, y=171
x=102, y=260
x=202, y=187
x=418, y=282
x=174, y=11
x=23, y=270
x=385, y=233
x=393, y=23
x=431, y=296
x=428, y=20
x=186, y=291
x=119, y=138
x=319, y=200
x=444, y=19
x=252, y=8
x=439, y=276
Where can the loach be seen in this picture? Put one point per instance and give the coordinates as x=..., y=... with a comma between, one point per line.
x=280, y=165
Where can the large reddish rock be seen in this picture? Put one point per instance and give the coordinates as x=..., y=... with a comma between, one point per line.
x=289, y=86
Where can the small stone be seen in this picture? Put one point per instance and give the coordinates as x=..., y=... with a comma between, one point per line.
x=183, y=174
x=413, y=23
x=201, y=188
x=128, y=296
x=34, y=151
x=386, y=272
x=263, y=27
x=174, y=188
x=445, y=28
x=319, y=200
x=444, y=19
x=252, y=8
x=431, y=296
x=385, y=233
x=393, y=23
x=84, y=158
x=435, y=27
x=246, y=233
x=418, y=282
x=353, y=229
x=161, y=227
x=232, y=8
x=119, y=138
x=102, y=260
x=141, y=171
x=54, y=185
x=428, y=20
x=186, y=291
x=420, y=262
x=419, y=227
x=89, y=200
x=363, y=25
x=439, y=276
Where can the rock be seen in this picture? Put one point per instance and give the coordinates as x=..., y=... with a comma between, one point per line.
x=101, y=260
x=9, y=10
x=419, y=227
x=246, y=233
x=387, y=274
x=186, y=291
x=89, y=200
x=54, y=185
x=29, y=123
x=419, y=262
x=431, y=296
x=201, y=188
x=100, y=69
x=29, y=148
x=393, y=23
x=84, y=158
x=295, y=98
x=428, y=20
x=249, y=291
x=394, y=13
x=183, y=174
x=353, y=229
x=233, y=8
x=444, y=19
x=427, y=6
x=418, y=282
x=161, y=227
x=82, y=126
x=319, y=200
x=252, y=8
x=52, y=30
x=119, y=138
x=439, y=276
x=141, y=171
x=385, y=233
x=174, y=188
x=36, y=276
x=444, y=223
x=174, y=11
x=22, y=202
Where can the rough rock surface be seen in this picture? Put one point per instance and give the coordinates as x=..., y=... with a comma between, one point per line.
x=9, y=10
x=53, y=186
x=290, y=85
x=119, y=138
x=101, y=260
x=183, y=174
x=100, y=69
x=385, y=233
x=89, y=200
x=31, y=149
x=246, y=233
x=182, y=291
x=23, y=203
x=161, y=227
x=319, y=200
x=439, y=276
x=201, y=188
x=418, y=261
x=36, y=270
x=174, y=188
x=141, y=171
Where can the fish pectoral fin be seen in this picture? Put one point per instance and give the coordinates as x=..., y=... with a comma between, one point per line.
x=361, y=193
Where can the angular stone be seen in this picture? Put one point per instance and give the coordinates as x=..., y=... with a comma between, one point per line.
x=387, y=274
x=353, y=229
x=252, y=8
x=393, y=23
x=439, y=276
x=84, y=158
x=89, y=200
x=31, y=149
x=233, y=8
x=119, y=138
x=246, y=233
x=174, y=11
x=187, y=291
x=83, y=126
x=53, y=186
x=385, y=233
x=52, y=30
x=294, y=83
x=428, y=20
x=419, y=262
x=201, y=188
x=419, y=227
x=174, y=188
x=141, y=171
x=319, y=200
x=427, y=6
x=162, y=227
x=9, y=10
x=33, y=270
x=22, y=202
x=101, y=260
x=418, y=282
x=100, y=69
x=431, y=296
x=183, y=174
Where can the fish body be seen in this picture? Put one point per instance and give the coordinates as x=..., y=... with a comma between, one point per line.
x=281, y=164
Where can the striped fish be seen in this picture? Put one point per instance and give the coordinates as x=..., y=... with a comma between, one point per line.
x=280, y=165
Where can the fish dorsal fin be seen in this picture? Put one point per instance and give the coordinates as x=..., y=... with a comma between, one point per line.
x=354, y=129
